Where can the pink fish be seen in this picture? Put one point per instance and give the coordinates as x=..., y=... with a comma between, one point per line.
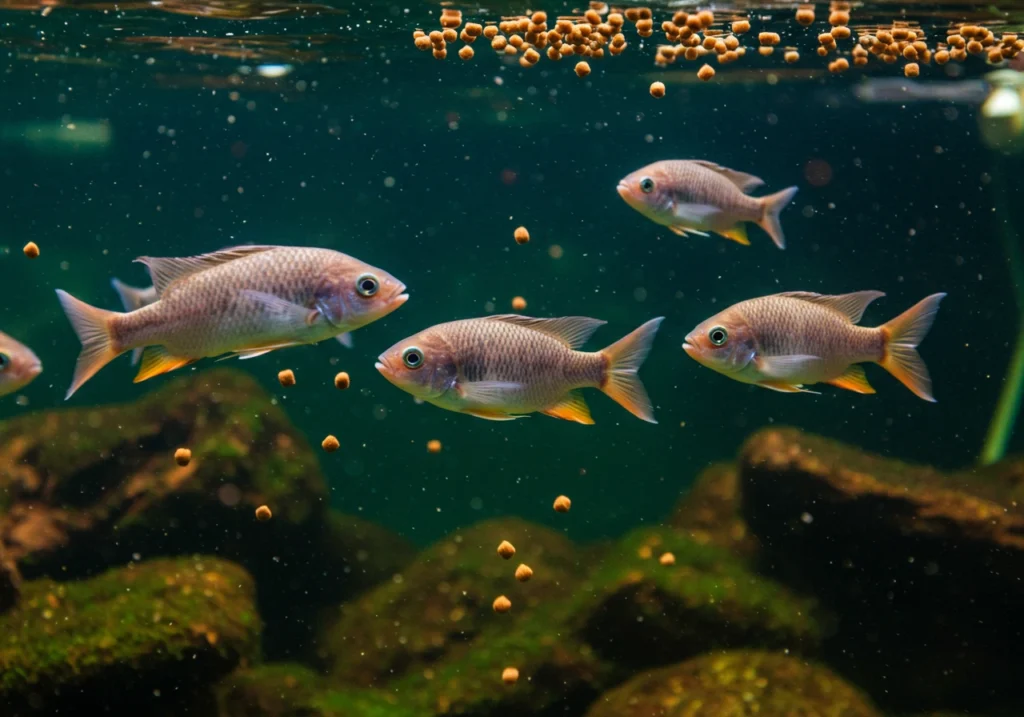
x=18, y=365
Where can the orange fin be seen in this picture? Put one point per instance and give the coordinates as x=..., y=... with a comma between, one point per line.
x=738, y=234
x=157, y=360
x=785, y=387
x=571, y=408
x=853, y=379
x=621, y=383
x=902, y=335
x=92, y=326
x=490, y=415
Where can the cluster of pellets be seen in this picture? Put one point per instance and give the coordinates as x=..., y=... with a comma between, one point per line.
x=700, y=36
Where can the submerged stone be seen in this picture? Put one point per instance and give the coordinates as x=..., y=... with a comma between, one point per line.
x=739, y=683
x=138, y=635
x=10, y=581
x=709, y=513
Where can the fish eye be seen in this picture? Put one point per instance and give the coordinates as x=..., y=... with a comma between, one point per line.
x=412, y=357
x=718, y=335
x=646, y=185
x=367, y=285
x=5, y=362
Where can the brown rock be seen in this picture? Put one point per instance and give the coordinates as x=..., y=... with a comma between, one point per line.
x=710, y=513
x=10, y=581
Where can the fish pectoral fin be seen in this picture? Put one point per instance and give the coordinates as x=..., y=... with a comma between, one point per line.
x=682, y=230
x=786, y=369
x=786, y=387
x=572, y=407
x=853, y=379
x=490, y=415
x=737, y=233
x=345, y=339
x=157, y=360
x=486, y=392
x=254, y=351
x=287, y=314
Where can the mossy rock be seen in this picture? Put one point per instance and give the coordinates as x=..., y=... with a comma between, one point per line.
x=127, y=636
x=710, y=514
x=292, y=690
x=442, y=601
x=743, y=683
x=10, y=581
x=636, y=611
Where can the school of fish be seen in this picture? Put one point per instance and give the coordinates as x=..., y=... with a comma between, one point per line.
x=246, y=301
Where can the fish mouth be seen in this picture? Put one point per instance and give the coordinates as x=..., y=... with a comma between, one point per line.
x=35, y=369
x=399, y=296
x=382, y=366
x=623, y=190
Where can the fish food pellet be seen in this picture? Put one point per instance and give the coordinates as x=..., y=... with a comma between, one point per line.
x=562, y=504
x=522, y=236
x=330, y=444
x=741, y=26
x=518, y=303
x=667, y=559
x=769, y=38
x=791, y=56
x=422, y=43
x=450, y=35
x=490, y=31
x=286, y=378
x=838, y=17
x=706, y=72
x=523, y=573
x=582, y=69
x=263, y=513
x=510, y=675
x=658, y=89
x=342, y=381
x=805, y=15
x=840, y=32
x=31, y=250
x=433, y=446
x=183, y=456
x=506, y=549
x=912, y=69
x=440, y=53
x=765, y=50
x=466, y=53
x=502, y=604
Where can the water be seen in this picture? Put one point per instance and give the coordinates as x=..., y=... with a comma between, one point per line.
x=173, y=129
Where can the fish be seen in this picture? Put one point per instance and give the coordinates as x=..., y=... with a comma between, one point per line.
x=135, y=297
x=790, y=340
x=692, y=196
x=19, y=366
x=506, y=366
x=243, y=301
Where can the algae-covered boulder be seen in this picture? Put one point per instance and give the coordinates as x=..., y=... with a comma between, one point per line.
x=290, y=690
x=127, y=636
x=638, y=608
x=10, y=581
x=742, y=683
x=443, y=600
x=709, y=513
x=923, y=568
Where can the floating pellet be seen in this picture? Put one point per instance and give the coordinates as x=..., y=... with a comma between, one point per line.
x=884, y=36
x=539, y=18
x=956, y=41
x=566, y=50
x=706, y=72
x=440, y=53
x=615, y=19
x=900, y=33
x=490, y=32
x=286, y=378
x=826, y=39
x=732, y=42
x=451, y=21
x=474, y=29
x=516, y=41
x=658, y=89
x=839, y=17
x=450, y=35
x=706, y=17
x=644, y=28
x=531, y=56
x=958, y=54
x=941, y=57
x=911, y=69
x=667, y=559
x=975, y=48
x=342, y=381
x=523, y=572
x=518, y=303
x=510, y=675
x=501, y=604
x=995, y=55
x=791, y=56
x=521, y=235
x=506, y=549
x=263, y=513
x=422, y=43
x=582, y=70
x=709, y=43
x=593, y=17
x=765, y=50
x=910, y=53
x=31, y=250
x=554, y=54
x=769, y=38
x=466, y=37
x=330, y=444
x=562, y=503
x=183, y=456
x=726, y=57
x=417, y=33
x=840, y=65
x=741, y=26
x=822, y=51
x=805, y=15
x=841, y=32
x=433, y=446
x=499, y=43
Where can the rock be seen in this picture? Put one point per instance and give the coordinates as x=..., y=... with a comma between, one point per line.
x=736, y=684
x=442, y=600
x=124, y=638
x=290, y=690
x=709, y=514
x=923, y=568
x=10, y=581
x=638, y=612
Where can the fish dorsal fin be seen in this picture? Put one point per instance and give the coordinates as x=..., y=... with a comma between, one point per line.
x=573, y=331
x=851, y=306
x=166, y=270
x=743, y=181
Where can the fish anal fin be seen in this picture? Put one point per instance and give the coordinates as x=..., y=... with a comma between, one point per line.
x=573, y=331
x=785, y=387
x=490, y=415
x=157, y=360
x=737, y=233
x=166, y=270
x=853, y=379
x=851, y=305
x=745, y=182
x=571, y=408
x=683, y=230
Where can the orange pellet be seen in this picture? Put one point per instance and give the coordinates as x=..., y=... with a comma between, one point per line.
x=522, y=236
x=553, y=53
x=805, y=15
x=286, y=378
x=840, y=65
x=658, y=89
x=769, y=38
x=706, y=72
x=667, y=559
x=501, y=604
x=765, y=50
x=941, y=57
x=330, y=444
x=531, y=56
x=450, y=35
x=791, y=56
x=518, y=303
x=822, y=51
x=593, y=17
x=433, y=446
x=741, y=26
x=474, y=29
x=506, y=549
x=440, y=53
x=451, y=21
x=263, y=513
x=422, y=43
x=615, y=19
x=912, y=69
x=524, y=572
x=562, y=504
x=910, y=52
x=826, y=39
x=995, y=55
x=499, y=43
x=839, y=17
x=539, y=18
x=342, y=381
x=706, y=17
x=31, y=250
x=732, y=42
x=490, y=31
x=974, y=47
x=841, y=32
x=516, y=41
x=183, y=456
x=582, y=70
x=644, y=28
x=510, y=675
x=632, y=14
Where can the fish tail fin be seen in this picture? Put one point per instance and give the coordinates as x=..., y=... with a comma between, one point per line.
x=131, y=296
x=902, y=336
x=771, y=207
x=92, y=325
x=624, y=358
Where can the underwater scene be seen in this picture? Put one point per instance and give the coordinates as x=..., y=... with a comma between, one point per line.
x=366, y=360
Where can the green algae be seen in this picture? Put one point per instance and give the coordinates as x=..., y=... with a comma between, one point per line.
x=161, y=615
